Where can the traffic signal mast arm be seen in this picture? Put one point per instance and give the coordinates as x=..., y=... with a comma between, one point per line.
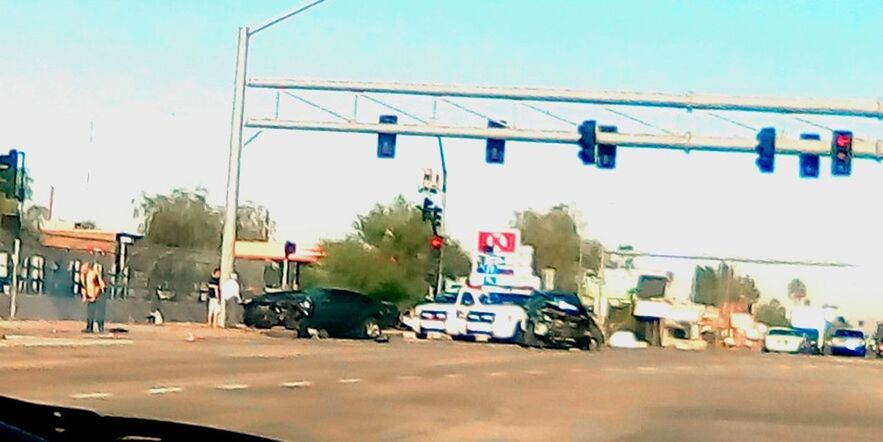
x=689, y=101
x=868, y=149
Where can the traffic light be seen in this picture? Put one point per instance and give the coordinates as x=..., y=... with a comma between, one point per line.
x=495, y=150
x=290, y=249
x=427, y=209
x=766, y=149
x=386, y=143
x=606, y=157
x=587, y=142
x=9, y=174
x=437, y=242
x=841, y=153
x=436, y=217
x=809, y=163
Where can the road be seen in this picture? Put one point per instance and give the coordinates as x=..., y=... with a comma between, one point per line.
x=441, y=390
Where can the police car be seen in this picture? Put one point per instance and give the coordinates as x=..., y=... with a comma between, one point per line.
x=490, y=312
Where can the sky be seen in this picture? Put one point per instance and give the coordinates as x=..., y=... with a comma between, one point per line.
x=154, y=81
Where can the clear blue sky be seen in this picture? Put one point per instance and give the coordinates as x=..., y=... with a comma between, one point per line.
x=156, y=79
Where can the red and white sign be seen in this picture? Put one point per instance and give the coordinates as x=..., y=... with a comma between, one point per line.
x=498, y=242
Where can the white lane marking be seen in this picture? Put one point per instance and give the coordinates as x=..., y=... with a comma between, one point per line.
x=497, y=373
x=90, y=396
x=231, y=387
x=296, y=384
x=164, y=390
x=576, y=370
x=452, y=375
x=647, y=369
x=684, y=368
x=349, y=380
x=407, y=377
x=535, y=372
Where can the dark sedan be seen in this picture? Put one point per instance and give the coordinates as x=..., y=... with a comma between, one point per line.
x=340, y=313
x=558, y=319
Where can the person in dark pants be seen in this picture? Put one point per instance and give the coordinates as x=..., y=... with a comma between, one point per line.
x=96, y=304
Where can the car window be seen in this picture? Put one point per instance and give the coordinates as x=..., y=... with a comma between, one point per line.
x=467, y=299
x=781, y=332
x=503, y=298
x=849, y=334
x=445, y=298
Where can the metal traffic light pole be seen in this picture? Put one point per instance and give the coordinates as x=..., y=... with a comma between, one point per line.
x=868, y=149
x=688, y=101
x=228, y=242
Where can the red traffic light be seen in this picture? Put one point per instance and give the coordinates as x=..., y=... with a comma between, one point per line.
x=843, y=139
x=437, y=242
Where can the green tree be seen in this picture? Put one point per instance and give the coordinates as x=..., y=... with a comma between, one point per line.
x=556, y=242
x=181, y=219
x=387, y=257
x=253, y=222
x=713, y=287
x=772, y=314
x=796, y=291
x=34, y=218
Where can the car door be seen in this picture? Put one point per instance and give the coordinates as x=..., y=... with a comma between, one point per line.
x=343, y=308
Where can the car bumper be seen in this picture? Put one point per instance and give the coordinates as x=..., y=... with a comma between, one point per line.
x=494, y=330
x=432, y=326
x=848, y=351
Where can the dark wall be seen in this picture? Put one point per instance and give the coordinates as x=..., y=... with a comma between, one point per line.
x=53, y=308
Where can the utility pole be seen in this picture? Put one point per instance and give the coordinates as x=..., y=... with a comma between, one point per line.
x=439, y=284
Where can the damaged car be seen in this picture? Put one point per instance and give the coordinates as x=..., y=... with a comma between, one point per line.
x=339, y=313
x=559, y=320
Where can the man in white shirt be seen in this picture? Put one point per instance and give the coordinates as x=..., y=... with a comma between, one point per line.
x=232, y=301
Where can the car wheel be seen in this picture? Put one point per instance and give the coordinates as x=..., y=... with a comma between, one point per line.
x=529, y=338
x=421, y=334
x=370, y=329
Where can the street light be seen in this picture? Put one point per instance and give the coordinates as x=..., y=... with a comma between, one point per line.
x=236, y=124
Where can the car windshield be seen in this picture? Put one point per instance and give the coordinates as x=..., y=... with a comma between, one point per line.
x=784, y=332
x=445, y=298
x=849, y=334
x=503, y=298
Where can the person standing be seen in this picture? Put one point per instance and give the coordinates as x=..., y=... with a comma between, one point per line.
x=96, y=304
x=231, y=298
x=214, y=299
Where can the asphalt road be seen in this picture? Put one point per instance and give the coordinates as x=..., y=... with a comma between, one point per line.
x=440, y=390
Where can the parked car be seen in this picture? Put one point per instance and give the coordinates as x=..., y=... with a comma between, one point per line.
x=556, y=319
x=847, y=342
x=785, y=340
x=439, y=315
x=341, y=313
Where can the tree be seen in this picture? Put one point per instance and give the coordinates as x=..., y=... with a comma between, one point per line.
x=556, y=242
x=772, y=314
x=181, y=219
x=253, y=222
x=33, y=219
x=713, y=287
x=796, y=291
x=387, y=257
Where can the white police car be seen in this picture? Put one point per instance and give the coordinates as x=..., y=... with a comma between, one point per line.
x=497, y=314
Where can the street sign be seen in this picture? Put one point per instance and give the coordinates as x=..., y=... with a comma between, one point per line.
x=498, y=242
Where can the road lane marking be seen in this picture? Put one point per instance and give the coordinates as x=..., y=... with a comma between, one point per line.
x=90, y=396
x=497, y=373
x=349, y=380
x=296, y=384
x=647, y=370
x=452, y=375
x=407, y=377
x=684, y=368
x=231, y=387
x=576, y=370
x=165, y=390
x=535, y=372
